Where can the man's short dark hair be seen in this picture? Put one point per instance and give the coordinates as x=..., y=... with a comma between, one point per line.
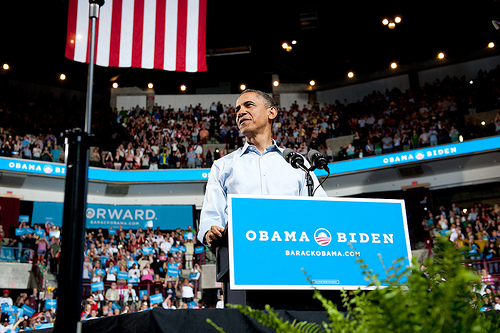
x=266, y=98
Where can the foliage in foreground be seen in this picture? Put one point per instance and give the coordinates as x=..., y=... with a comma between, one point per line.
x=438, y=298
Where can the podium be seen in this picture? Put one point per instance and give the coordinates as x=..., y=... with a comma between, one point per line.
x=282, y=248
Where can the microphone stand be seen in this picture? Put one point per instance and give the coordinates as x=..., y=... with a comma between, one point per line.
x=310, y=183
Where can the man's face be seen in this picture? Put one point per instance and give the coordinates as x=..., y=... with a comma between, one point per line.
x=252, y=116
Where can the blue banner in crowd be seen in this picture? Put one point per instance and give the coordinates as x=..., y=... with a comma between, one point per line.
x=27, y=310
x=174, y=249
x=130, y=263
x=147, y=250
x=100, y=271
x=114, y=269
x=96, y=286
x=111, y=216
x=142, y=293
x=172, y=269
x=156, y=298
x=122, y=276
x=199, y=249
x=313, y=235
x=9, y=308
x=182, y=248
x=51, y=304
x=192, y=305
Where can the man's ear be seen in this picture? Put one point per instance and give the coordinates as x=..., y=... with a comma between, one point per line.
x=272, y=112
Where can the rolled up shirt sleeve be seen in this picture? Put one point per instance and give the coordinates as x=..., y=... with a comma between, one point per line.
x=214, y=204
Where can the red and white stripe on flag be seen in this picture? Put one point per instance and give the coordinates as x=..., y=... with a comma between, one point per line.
x=162, y=34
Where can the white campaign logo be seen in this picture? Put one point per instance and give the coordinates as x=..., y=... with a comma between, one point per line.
x=322, y=237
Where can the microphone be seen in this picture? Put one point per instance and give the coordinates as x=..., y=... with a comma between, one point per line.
x=295, y=159
x=318, y=160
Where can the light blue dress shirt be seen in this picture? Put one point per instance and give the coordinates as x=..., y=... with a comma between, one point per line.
x=247, y=171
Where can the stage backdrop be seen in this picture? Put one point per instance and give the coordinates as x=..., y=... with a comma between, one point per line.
x=129, y=216
x=273, y=240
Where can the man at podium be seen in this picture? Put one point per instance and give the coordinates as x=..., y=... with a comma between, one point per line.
x=256, y=168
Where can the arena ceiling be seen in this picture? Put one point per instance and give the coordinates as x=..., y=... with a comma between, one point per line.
x=333, y=37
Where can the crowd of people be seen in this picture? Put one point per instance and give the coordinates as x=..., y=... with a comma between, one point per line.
x=475, y=231
x=161, y=137
x=124, y=271
x=154, y=257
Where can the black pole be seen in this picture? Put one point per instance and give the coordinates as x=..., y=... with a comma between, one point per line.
x=72, y=238
x=75, y=205
x=310, y=184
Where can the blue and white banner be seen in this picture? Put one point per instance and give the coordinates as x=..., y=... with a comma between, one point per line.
x=182, y=175
x=114, y=269
x=192, y=305
x=9, y=308
x=172, y=269
x=24, y=231
x=27, y=310
x=142, y=293
x=96, y=286
x=156, y=298
x=122, y=276
x=415, y=155
x=182, y=248
x=199, y=249
x=100, y=271
x=313, y=235
x=51, y=304
x=147, y=250
x=130, y=263
x=166, y=217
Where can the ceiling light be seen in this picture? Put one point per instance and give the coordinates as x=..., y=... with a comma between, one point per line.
x=350, y=75
x=6, y=66
x=491, y=45
x=294, y=42
x=391, y=25
x=242, y=86
x=183, y=87
x=150, y=85
x=62, y=77
x=397, y=19
x=312, y=83
x=440, y=55
x=115, y=85
x=276, y=83
x=285, y=45
x=394, y=65
x=385, y=21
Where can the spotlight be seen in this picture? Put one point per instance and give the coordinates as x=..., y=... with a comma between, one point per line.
x=115, y=85
x=6, y=67
x=312, y=83
x=394, y=65
x=491, y=45
x=350, y=75
x=440, y=55
x=62, y=77
x=242, y=86
x=276, y=83
x=183, y=87
x=150, y=85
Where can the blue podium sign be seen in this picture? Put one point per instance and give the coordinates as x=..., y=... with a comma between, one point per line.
x=273, y=240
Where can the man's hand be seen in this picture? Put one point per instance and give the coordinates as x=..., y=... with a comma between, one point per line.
x=213, y=235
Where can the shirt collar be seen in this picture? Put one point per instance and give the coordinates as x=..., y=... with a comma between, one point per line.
x=248, y=147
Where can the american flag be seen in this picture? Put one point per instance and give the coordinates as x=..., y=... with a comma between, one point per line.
x=161, y=34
